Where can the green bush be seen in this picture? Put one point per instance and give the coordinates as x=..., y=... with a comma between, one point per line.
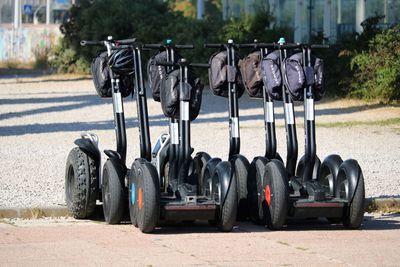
x=377, y=70
x=342, y=75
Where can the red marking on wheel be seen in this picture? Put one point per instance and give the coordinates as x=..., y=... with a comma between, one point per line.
x=268, y=195
x=140, y=198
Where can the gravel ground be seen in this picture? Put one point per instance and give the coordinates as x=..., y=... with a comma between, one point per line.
x=40, y=118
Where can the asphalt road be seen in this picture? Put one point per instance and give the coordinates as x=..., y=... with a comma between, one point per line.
x=66, y=242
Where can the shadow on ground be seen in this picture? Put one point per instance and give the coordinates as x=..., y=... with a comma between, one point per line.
x=211, y=105
x=371, y=223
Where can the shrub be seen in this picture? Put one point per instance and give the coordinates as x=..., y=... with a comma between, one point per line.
x=377, y=70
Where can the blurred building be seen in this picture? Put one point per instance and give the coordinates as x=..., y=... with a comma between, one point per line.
x=29, y=28
x=332, y=18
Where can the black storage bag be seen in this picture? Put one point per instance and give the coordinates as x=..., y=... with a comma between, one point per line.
x=170, y=95
x=271, y=73
x=102, y=80
x=295, y=77
x=219, y=74
x=156, y=74
x=250, y=68
x=298, y=77
x=319, y=81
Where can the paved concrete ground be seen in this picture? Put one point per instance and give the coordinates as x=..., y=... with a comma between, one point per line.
x=91, y=243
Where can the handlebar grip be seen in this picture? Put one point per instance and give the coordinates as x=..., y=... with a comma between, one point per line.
x=213, y=45
x=152, y=46
x=126, y=41
x=320, y=46
x=91, y=43
x=200, y=65
x=166, y=63
x=121, y=47
x=258, y=45
x=190, y=46
x=247, y=45
x=290, y=46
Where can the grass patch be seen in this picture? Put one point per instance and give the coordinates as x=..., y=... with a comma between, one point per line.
x=387, y=122
x=301, y=248
x=384, y=206
x=37, y=213
x=283, y=243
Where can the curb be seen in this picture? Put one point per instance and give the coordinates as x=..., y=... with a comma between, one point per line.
x=371, y=205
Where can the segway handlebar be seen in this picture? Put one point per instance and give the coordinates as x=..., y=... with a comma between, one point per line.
x=258, y=45
x=125, y=41
x=182, y=63
x=101, y=43
x=214, y=45
x=158, y=46
x=289, y=46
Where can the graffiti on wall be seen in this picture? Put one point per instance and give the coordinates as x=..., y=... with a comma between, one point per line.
x=25, y=44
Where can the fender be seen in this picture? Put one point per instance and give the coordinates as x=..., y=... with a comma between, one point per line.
x=350, y=170
x=89, y=142
x=225, y=175
x=88, y=147
x=207, y=175
x=330, y=165
x=301, y=167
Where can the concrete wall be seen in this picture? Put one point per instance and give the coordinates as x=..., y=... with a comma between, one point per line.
x=21, y=44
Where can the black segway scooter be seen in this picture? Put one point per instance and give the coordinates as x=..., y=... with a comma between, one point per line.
x=82, y=185
x=166, y=146
x=267, y=181
x=335, y=189
x=238, y=165
x=149, y=203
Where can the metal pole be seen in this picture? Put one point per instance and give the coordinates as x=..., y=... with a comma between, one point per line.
x=48, y=4
x=225, y=8
x=297, y=22
x=200, y=9
x=327, y=19
x=339, y=11
x=385, y=11
x=360, y=14
x=17, y=14
x=310, y=7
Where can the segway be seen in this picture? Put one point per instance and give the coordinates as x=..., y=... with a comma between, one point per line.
x=166, y=146
x=237, y=165
x=267, y=181
x=334, y=189
x=168, y=193
x=82, y=185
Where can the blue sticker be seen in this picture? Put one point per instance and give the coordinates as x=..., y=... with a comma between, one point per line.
x=133, y=197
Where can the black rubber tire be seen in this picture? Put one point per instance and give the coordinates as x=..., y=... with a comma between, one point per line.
x=81, y=184
x=351, y=186
x=241, y=165
x=132, y=197
x=300, y=167
x=228, y=205
x=200, y=162
x=114, y=204
x=255, y=182
x=276, y=209
x=147, y=197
